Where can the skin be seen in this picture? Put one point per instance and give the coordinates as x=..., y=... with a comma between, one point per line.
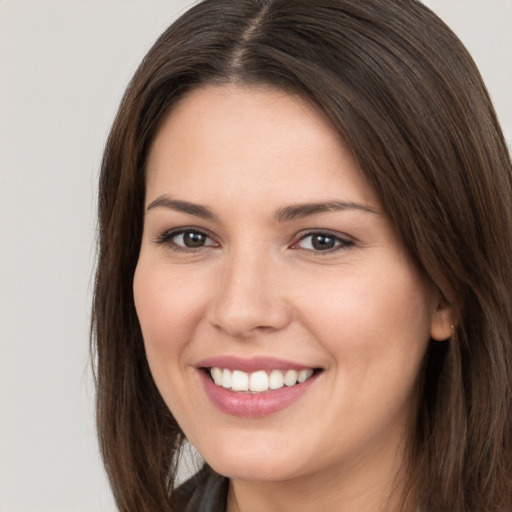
x=257, y=287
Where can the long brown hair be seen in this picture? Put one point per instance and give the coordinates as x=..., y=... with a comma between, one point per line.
x=405, y=95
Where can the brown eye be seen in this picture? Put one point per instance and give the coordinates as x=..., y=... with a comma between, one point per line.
x=185, y=239
x=322, y=242
x=191, y=239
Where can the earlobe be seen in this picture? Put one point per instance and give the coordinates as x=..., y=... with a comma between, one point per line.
x=442, y=325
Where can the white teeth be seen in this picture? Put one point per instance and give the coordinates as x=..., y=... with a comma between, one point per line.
x=240, y=381
x=276, y=379
x=217, y=376
x=226, y=379
x=259, y=381
x=304, y=375
x=290, y=378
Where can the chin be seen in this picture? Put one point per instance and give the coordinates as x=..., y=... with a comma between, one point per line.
x=254, y=466
x=252, y=471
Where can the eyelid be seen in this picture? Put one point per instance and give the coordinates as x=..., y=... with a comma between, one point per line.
x=166, y=238
x=343, y=241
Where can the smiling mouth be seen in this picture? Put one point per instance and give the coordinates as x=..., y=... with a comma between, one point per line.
x=259, y=381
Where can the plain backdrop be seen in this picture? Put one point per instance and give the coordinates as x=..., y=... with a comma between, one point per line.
x=63, y=67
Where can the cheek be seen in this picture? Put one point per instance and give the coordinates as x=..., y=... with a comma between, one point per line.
x=375, y=319
x=168, y=307
x=376, y=330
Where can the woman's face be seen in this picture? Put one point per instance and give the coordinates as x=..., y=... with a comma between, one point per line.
x=266, y=259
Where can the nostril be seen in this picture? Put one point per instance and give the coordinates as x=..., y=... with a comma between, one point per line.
x=246, y=322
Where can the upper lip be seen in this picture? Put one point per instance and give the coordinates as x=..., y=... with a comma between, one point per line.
x=251, y=364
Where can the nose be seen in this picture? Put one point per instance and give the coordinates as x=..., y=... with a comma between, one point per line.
x=251, y=297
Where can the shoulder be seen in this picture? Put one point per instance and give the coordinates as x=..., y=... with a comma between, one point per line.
x=206, y=491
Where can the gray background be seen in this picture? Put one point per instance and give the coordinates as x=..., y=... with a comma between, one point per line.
x=63, y=67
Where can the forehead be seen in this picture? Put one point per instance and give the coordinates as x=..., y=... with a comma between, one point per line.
x=251, y=140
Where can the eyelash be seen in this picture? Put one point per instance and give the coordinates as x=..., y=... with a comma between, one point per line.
x=341, y=242
x=167, y=237
x=167, y=240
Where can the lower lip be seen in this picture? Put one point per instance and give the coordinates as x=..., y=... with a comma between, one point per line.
x=257, y=405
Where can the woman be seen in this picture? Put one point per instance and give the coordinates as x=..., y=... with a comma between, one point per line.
x=304, y=268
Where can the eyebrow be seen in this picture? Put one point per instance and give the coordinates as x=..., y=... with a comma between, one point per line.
x=183, y=206
x=299, y=211
x=287, y=213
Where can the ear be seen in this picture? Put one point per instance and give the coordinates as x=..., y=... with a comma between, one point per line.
x=442, y=322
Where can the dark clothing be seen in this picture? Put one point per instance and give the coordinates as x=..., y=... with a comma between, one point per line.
x=206, y=491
